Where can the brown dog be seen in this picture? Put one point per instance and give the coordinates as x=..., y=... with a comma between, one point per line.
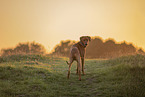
x=77, y=53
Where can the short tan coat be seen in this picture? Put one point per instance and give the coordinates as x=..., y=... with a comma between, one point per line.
x=77, y=53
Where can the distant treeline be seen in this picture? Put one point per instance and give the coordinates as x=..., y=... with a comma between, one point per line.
x=98, y=48
x=24, y=48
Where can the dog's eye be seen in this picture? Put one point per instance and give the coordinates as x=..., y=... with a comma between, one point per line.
x=86, y=40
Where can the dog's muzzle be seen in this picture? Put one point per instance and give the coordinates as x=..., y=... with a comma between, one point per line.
x=86, y=44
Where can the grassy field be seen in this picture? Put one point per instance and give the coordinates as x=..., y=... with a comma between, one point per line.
x=45, y=76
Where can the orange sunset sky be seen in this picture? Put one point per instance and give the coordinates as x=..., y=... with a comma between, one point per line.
x=50, y=21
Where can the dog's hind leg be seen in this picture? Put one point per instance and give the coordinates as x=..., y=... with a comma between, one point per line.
x=77, y=70
x=71, y=61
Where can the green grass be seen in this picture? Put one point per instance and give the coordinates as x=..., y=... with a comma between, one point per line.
x=43, y=76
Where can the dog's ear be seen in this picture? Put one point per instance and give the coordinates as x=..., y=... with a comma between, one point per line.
x=81, y=38
x=89, y=38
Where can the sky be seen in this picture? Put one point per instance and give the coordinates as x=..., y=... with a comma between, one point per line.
x=50, y=21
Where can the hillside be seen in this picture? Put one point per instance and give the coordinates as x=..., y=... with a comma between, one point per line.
x=45, y=76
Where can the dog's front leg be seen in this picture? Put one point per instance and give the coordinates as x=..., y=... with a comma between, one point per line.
x=79, y=69
x=83, y=66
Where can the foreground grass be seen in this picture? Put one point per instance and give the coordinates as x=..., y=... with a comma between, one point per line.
x=42, y=76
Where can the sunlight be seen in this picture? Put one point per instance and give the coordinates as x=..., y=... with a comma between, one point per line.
x=49, y=22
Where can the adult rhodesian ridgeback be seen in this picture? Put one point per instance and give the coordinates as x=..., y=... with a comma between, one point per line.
x=77, y=53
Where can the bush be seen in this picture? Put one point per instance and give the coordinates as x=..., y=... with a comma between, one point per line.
x=98, y=48
x=24, y=48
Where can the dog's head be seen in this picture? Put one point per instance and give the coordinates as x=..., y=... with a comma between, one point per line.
x=85, y=40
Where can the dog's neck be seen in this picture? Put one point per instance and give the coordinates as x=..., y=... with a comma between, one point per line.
x=82, y=44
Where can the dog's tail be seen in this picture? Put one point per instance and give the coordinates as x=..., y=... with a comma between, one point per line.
x=67, y=63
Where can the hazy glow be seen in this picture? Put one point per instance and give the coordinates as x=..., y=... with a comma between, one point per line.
x=49, y=21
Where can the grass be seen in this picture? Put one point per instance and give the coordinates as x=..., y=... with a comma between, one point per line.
x=43, y=76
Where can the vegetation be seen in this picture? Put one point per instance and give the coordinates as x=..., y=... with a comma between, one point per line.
x=63, y=49
x=45, y=76
x=99, y=48
x=24, y=48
